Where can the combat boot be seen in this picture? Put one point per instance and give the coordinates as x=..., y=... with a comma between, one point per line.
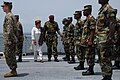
x=12, y=73
x=89, y=71
x=49, y=57
x=107, y=78
x=68, y=58
x=116, y=65
x=56, y=60
x=80, y=66
x=19, y=58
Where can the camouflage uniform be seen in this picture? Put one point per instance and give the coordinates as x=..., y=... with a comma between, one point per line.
x=51, y=38
x=77, y=36
x=20, y=40
x=89, y=25
x=102, y=35
x=116, y=46
x=9, y=35
x=88, y=39
x=70, y=41
x=65, y=41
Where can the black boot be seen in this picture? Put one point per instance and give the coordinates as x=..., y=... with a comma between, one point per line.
x=107, y=78
x=116, y=65
x=89, y=71
x=19, y=58
x=80, y=66
x=49, y=57
x=56, y=60
x=72, y=61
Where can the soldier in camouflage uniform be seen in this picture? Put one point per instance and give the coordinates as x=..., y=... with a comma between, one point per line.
x=64, y=39
x=70, y=40
x=88, y=39
x=104, y=34
x=116, y=51
x=20, y=39
x=10, y=39
x=50, y=29
x=77, y=37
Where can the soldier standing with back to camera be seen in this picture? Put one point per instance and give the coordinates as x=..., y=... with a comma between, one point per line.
x=10, y=39
x=77, y=37
x=105, y=34
x=50, y=35
x=20, y=39
x=88, y=39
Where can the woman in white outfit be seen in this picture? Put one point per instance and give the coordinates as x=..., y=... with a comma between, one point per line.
x=36, y=34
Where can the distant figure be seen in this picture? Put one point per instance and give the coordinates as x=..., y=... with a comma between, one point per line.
x=50, y=35
x=35, y=34
x=10, y=39
x=20, y=39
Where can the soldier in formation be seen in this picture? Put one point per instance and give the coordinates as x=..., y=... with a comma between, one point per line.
x=77, y=39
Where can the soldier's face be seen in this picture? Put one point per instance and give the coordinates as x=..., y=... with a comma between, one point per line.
x=77, y=16
x=51, y=19
x=5, y=8
x=85, y=12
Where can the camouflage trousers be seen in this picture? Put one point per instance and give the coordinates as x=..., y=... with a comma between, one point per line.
x=80, y=52
x=66, y=49
x=10, y=55
x=90, y=55
x=19, y=47
x=51, y=42
x=116, y=53
x=105, y=59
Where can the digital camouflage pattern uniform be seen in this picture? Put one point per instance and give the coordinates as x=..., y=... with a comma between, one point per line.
x=10, y=40
x=102, y=36
x=51, y=38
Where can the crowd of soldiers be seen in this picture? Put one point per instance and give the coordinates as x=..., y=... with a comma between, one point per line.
x=83, y=39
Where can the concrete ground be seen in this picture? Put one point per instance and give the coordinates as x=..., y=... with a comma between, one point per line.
x=30, y=70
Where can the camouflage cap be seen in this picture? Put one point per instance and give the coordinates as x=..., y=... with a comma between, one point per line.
x=78, y=13
x=65, y=19
x=87, y=7
x=7, y=4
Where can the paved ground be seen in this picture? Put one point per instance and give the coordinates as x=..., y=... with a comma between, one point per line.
x=30, y=70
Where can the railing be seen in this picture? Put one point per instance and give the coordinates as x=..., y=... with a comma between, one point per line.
x=27, y=44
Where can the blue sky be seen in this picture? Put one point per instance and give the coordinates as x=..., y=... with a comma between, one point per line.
x=30, y=10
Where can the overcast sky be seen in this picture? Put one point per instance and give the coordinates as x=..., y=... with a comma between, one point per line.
x=30, y=10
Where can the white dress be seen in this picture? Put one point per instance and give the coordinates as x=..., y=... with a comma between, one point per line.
x=35, y=34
